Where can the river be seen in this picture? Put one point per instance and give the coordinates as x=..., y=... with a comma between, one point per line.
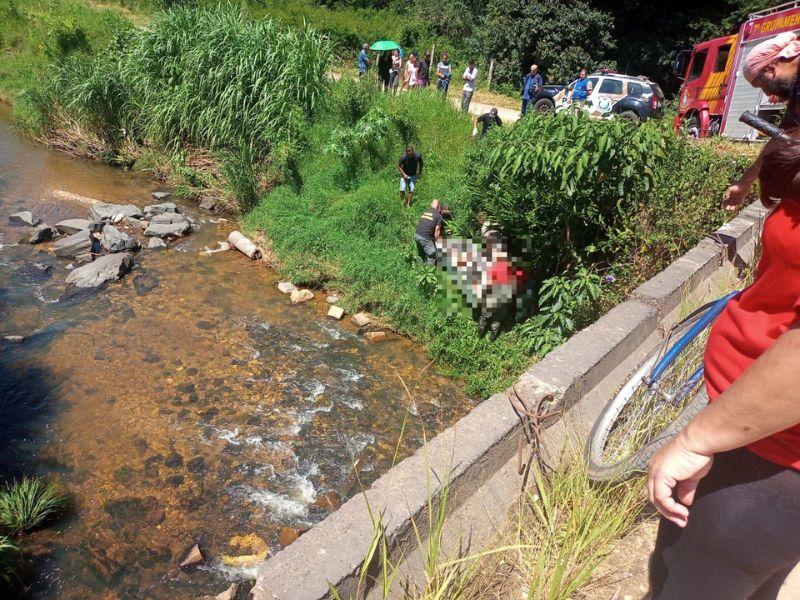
x=190, y=402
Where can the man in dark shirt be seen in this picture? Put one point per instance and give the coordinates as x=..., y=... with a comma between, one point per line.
x=429, y=229
x=488, y=120
x=410, y=167
x=531, y=88
x=424, y=70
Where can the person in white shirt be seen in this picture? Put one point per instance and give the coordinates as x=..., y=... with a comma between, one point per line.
x=470, y=78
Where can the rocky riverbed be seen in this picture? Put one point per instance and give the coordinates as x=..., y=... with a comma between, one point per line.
x=189, y=402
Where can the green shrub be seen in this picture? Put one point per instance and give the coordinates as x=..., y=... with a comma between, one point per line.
x=29, y=503
x=9, y=560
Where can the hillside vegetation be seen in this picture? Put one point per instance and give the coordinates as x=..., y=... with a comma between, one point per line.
x=592, y=208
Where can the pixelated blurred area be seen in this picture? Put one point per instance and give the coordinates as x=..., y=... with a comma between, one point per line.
x=484, y=277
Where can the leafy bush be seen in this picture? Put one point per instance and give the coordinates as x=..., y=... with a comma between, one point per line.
x=27, y=504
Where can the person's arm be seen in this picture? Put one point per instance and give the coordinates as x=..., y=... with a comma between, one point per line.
x=437, y=233
x=538, y=89
x=763, y=401
x=589, y=87
x=737, y=192
x=400, y=168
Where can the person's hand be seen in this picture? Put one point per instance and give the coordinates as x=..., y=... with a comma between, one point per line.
x=676, y=468
x=735, y=195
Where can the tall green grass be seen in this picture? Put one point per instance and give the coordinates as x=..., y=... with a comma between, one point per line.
x=28, y=504
x=9, y=560
x=208, y=77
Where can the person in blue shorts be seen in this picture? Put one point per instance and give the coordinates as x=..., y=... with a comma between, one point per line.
x=410, y=167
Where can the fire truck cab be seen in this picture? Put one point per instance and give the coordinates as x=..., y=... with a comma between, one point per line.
x=714, y=91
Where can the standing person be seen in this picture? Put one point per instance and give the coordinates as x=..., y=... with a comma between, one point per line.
x=531, y=88
x=429, y=229
x=363, y=60
x=470, y=78
x=735, y=468
x=582, y=88
x=487, y=120
x=411, y=78
x=394, y=72
x=384, y=67
x=443, y=73
x=773, y=67
x=424, y=69
x=410, y=167
x=96, y=239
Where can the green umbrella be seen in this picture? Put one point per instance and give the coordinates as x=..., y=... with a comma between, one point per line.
x=385, y=45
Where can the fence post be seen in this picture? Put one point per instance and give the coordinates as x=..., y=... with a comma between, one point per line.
x=489, y=78
x=433, y=61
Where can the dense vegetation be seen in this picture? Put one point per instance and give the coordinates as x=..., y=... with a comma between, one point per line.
x=593, y=208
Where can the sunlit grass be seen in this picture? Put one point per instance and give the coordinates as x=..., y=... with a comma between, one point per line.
x=29, y=503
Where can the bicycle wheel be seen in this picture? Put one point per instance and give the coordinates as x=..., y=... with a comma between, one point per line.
x=661, y=393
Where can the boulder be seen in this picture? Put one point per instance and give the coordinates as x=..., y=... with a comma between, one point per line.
x=156, y=243
x=104, y=212
x=158, y=209
x=114, y=240
x=374, y=336
x=193, y=557
x=168, y=218
x=208, y=203
x=71, y=246
x=166, y=231
x=24, y=217
x=361, y=319
x=336, y=312
x=70, y=226
x=253, y=551
x=42, y=233
x=286, y=287
x=161, y=195
x=301, y=296
x=332, y=299
x=329, y=501
x=105, y=268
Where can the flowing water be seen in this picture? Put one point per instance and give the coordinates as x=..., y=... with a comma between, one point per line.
x=190, y=402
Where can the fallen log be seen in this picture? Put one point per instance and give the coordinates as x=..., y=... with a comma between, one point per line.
x=70, y=197
x=244, y=245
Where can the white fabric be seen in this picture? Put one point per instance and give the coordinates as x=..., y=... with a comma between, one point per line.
x=470, y=79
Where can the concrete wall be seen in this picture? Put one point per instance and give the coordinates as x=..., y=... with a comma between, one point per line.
x=479, y=453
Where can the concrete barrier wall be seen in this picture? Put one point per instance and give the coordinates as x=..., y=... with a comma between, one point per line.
x=478, y=455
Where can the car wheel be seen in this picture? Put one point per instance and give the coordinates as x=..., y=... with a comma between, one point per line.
x=544, y=105
x=693, y=127
x=628, y=115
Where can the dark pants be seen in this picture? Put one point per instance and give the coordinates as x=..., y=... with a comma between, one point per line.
x=394, y=80
x=525, y=106
x=443, y=84
x=426, y=248
x=743, y=536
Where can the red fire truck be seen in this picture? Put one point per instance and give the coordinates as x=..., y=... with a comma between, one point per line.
x=714, y=91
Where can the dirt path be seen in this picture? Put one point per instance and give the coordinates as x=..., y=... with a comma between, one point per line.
x=478, y=108
x=623, y=575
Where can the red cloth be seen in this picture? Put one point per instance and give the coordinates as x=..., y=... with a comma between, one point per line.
x=503, y=273
x=754, y=319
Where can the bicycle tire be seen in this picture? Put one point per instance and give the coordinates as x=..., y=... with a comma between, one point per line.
x=599, y=468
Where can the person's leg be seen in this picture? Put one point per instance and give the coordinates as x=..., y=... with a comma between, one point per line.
x=412, y=184
x=421, y=253
x=743, y=530
x=430, y=253
x=524, y=107
x=464, y=101
x=402, y=191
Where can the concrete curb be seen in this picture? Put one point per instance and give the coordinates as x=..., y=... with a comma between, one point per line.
x=478, y=453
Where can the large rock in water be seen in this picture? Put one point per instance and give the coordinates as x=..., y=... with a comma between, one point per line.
x=106, y=268
x=159, y=209
x=115, y=240
x=75, y=244
x=42, y=233
x=168, y=225
x=105, y=212
x=24, y=217
x=70, y=226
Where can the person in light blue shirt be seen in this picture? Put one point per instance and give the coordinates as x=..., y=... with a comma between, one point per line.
x=582, y=89
x=531, y=88
x=363, y=60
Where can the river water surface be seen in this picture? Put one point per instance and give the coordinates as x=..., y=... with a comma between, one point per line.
x=190, y=402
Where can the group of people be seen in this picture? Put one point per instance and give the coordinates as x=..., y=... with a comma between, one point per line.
x=396, y=75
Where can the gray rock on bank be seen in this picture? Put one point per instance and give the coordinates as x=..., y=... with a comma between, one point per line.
x=156, y=243
x=73, y=245
x=25, y=218
x=168, y=226
x=70, y=226
x=110, y=267
x=160, y=209
x=42, y=233
x=114, y=240
x=106, y=212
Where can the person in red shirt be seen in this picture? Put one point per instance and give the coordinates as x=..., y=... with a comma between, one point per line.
x=728, y=486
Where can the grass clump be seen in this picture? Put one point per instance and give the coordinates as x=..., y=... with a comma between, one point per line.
x=9, y=560
x=27, y=504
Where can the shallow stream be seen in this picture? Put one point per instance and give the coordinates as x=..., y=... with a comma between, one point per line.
x=190, y=402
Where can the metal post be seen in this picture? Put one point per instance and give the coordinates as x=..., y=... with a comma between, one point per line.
x=489, y=78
